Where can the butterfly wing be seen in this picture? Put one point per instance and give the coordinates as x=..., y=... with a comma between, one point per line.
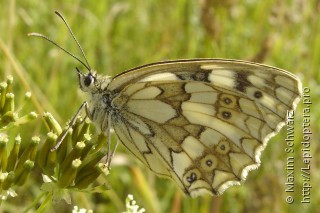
x=202, y=123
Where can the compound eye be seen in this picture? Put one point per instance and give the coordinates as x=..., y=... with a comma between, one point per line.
x=88, y=80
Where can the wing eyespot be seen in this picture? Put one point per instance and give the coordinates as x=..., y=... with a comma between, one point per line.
x=227, y=101
x=192, y=177
x=258, y=94
x=223, y=147
x=226, y=115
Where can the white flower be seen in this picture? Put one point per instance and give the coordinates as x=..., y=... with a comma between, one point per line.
x=131, y=206
x=7, y=193
x=82, y=210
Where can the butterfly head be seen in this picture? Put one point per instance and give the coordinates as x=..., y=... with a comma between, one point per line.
x=91, y=82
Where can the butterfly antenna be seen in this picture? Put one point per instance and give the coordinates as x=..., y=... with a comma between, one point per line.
x=74, y=38
x=61, y=48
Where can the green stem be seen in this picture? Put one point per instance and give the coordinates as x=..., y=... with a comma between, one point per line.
x=36, y=201
x=44, y=203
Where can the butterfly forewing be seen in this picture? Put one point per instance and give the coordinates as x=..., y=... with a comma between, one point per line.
x=202, y=122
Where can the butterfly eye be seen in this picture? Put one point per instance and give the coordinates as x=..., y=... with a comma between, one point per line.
x=88, y=80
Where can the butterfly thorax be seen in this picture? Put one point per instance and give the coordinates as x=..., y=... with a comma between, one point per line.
x=99, y=98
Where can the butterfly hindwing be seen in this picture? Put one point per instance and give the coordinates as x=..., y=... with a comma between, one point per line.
x=204, y=128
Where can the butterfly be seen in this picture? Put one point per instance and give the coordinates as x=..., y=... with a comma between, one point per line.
x=200, y=122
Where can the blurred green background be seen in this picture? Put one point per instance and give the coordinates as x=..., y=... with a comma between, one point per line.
x=120, y=34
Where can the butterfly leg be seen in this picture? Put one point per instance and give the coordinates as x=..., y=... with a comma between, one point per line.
x=71, y=124
x=110, y=153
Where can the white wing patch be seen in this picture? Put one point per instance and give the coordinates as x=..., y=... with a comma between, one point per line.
x=191, y=107
x=154, y=110
x=191, y=146
x=222, y=78
x=161, y=77
x=146, y=93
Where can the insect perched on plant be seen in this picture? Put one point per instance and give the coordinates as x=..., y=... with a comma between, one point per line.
x=201, y=122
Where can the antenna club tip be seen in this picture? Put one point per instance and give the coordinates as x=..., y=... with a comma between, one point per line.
x=37, y=35
x=32, y=34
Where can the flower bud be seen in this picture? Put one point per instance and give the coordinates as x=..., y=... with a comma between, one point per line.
x=89, y=144
x=67, y=177
x=76, y=130
x=7, y=118
x=88, y=171
x=27, y=95
x=8, y=181
x=3, y=88
x=53, y=125
x=91, y=175
x=3, y=152
x=26, y=118
x=13, y=156
x=22, y=173
x=65, y=146
x=29, y=152
x=46, y=159
x=8, y=103
x=84, y=129
x=9, y=84
x=74, y=154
